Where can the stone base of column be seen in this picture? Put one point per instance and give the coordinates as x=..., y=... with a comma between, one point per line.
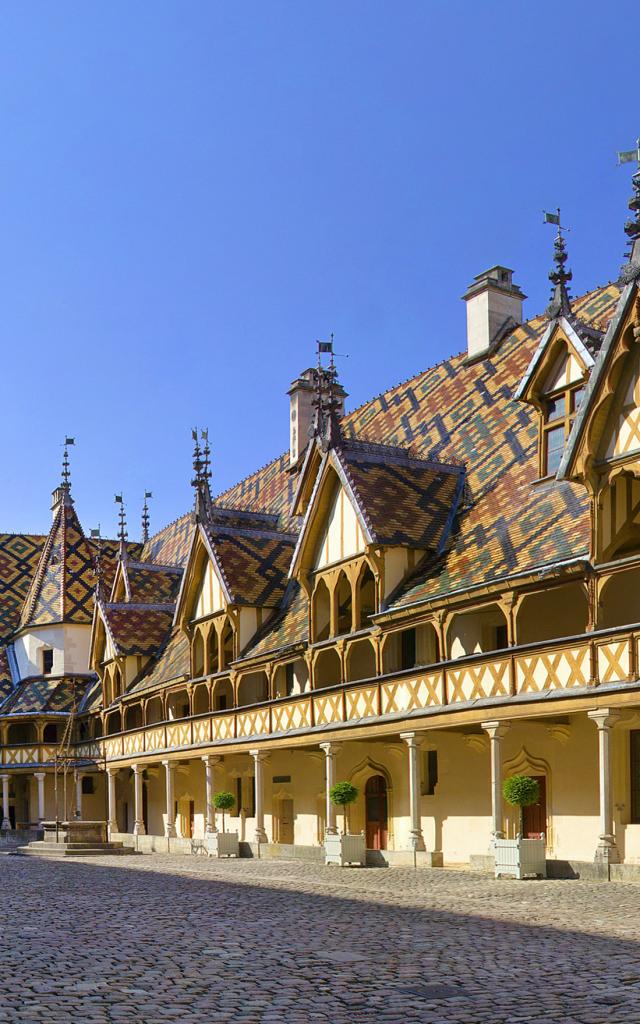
x=211, y=829
x=169, y=831
x=139, y=829
x=260, y=836
x=113, y=827
x=331, y=830
x=6, y=825
x=607, y=851
x=416, y=841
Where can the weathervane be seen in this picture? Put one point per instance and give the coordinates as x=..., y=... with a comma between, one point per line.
x=201, y=474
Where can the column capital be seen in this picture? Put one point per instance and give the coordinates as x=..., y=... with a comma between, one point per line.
x=212, y=759
x=605, y=718
x=5, y=775
x=112, y=771
x=167, y=764
x=137, y=769
x=495, y=729
x=259, y=755
x=39, y=775
x=410, y=738
x=330, y=749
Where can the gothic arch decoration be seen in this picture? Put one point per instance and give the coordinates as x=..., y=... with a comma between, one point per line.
x=524, y=763
x=359, y=775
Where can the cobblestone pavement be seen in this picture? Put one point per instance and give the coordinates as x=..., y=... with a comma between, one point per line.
x=194, y=940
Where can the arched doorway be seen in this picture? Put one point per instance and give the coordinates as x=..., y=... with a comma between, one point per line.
x=535, y=816
x=375, y=797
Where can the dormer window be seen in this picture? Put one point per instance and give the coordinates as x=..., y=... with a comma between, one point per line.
x=559, y=413
x=47, y=661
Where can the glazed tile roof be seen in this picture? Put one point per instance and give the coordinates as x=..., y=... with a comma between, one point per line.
x=252, y=555
x=19, y=556
x=6, y=679
x=174, y=663
x=42, y=695
x=137, y=628
x=404, y=499
x=288, y=626
x=170, y=546
x=151, y=584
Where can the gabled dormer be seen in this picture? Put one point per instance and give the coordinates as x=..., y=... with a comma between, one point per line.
x=557, y=375
x=370, y=513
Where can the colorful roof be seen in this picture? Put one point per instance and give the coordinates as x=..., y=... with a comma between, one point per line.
x=174, y=663
x=6, y=679
x=405, y=500
x=170, y=546
x=137, y=628
x=46, y=695
x=252, y=555
x=289, y=625
x=19, y=556
x=152, y=584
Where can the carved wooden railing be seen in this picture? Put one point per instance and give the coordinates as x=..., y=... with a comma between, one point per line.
x=589, y=660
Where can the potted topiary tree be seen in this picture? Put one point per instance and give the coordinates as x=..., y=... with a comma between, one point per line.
x=223, y=844
x=521, y=857
x=344, y=848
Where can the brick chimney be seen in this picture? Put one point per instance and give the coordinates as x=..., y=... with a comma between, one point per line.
x=494, y=305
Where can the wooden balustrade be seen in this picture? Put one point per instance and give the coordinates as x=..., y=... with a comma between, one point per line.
x=559, y=665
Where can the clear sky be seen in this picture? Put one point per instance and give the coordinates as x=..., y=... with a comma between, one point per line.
x=192, y=192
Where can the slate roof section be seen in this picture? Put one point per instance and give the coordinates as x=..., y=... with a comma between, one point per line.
x=289, y=626
x=6, y=679
x=137, y=628
x=170, y=546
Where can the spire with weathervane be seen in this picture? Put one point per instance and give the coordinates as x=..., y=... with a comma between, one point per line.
x=328, y=402
x=62, y=493
x=559, y=276
x=122, y=526
x=201, y=476
x=631, y=269
x=146, y=518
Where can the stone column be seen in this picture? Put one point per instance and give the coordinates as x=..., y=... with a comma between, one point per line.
x=416, y=839
x=6, y=821
x=170, y=824
x=496, y=730
x=259, y=758
x=40, y=777
x=209, y=764
x=330, y=752
x=112, y=774
x=606, y=851
x=138, y=825
x=78, y=809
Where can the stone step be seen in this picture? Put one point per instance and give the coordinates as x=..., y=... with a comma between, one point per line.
x=44, y=849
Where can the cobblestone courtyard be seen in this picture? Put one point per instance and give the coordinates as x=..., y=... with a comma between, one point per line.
x=193, y=940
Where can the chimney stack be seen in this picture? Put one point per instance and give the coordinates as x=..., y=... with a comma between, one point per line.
x=494, y=305
x=301, y=411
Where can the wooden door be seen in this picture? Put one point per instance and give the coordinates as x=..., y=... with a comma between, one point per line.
x=535, y=816
x=375, y=796
x=285, y=828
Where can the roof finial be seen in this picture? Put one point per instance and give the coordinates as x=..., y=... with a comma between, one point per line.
x=202, y=474
x=98, y=570
x=65, y=482
x=146, y=517
x=326, y=403
x=333, y=432
x=560, y=304
x=631, y=270
x=122, y=520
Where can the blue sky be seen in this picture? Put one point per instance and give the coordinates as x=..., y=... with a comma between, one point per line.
x=192, y=193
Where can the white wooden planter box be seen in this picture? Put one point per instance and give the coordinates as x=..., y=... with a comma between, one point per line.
x=222, y=844
x=521, y=858
x=345, y=849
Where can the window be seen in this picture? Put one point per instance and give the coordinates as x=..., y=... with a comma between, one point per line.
x=408, y=648
x=634, y=751
x=221, y=702
x=87, y=785
x=502, y=639
x=559, y=414
x=430, y=773
x=47, y=662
